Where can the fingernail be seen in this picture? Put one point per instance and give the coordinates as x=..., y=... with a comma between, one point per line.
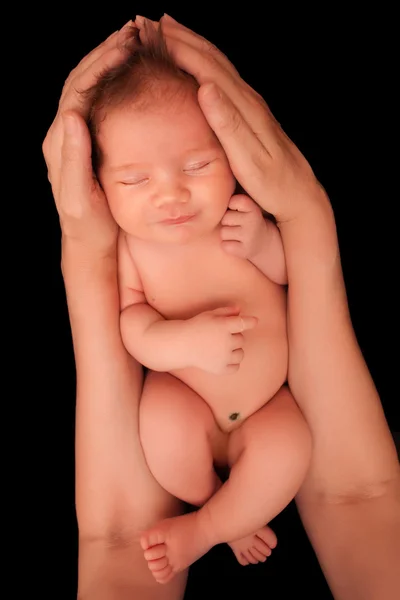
x=211, y=93
x=126, y=25
x=140, y=20
x=168, y=18
x=112, y=35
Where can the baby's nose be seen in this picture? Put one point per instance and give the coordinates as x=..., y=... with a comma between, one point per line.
x=171, y=198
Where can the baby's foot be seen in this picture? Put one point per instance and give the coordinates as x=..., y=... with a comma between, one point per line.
x=173, y=545
x=256, y=547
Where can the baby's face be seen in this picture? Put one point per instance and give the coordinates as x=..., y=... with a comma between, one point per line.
x=162, y=166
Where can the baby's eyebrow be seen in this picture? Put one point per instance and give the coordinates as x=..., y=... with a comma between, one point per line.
x=125, y=167
x=136, y=165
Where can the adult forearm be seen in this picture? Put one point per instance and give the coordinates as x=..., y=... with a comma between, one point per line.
x=328, y=375
x=349, y=502
x=110, y=572
x=357, y=542
x=109, y=460
x=158, y=344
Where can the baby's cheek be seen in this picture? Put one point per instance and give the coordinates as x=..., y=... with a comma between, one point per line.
x=120, y=210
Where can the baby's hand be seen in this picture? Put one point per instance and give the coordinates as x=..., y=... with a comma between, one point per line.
x=216, y=339
x=243, y=227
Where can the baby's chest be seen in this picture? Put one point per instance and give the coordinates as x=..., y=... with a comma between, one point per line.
x=180, y=287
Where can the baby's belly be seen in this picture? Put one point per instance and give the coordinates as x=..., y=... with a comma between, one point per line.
x=186, y=285
x=234, y=397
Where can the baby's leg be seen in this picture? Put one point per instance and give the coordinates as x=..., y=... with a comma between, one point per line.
x=175, y=430
x=269, y=454
x=181, y=441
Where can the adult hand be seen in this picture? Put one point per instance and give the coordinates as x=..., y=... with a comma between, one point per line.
x=263, y=159
x=81, y=204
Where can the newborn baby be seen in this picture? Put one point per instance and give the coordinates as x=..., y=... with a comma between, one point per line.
x=203, y=306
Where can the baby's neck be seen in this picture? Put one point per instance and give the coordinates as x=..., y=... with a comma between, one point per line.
x=170, y=248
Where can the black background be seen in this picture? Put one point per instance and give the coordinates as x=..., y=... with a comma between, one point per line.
x=329, y=78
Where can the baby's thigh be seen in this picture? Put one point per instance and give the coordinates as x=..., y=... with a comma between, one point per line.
x=277, y=431
x=176, y=427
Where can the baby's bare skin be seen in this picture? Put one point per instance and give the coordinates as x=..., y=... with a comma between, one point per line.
x=180, y=282
x=183, y=281
x=158, y=165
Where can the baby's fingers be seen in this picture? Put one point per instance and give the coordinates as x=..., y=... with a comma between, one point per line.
x=234, y=247
x=234, y=218
x=241, y=323
x=242, y=203
x=236, y=357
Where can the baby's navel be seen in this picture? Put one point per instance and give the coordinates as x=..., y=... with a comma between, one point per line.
x=234, y=416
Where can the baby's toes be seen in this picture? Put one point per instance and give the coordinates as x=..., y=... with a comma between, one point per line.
x=158, y=565
x=259, y=556
x=248, y=555
x=268, y=536
x=164, y=575
x=262, y=547
x=155, y=552
x=242, y=560
x=152, y=537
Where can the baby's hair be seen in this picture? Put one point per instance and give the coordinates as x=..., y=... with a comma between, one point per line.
x=143, y=79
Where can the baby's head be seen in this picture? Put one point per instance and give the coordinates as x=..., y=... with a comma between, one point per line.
x=154, y=153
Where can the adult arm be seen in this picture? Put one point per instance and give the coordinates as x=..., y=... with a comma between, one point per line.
x=116, y=495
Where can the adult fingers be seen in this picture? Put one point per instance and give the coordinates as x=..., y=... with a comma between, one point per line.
x=207, y=63
x=115, y=39
x=263, y=159
x=87, y=60
x=249, y=159
x=248, y=132
x=76, y=182
x=106, y=55
x=87, y=72
x=189, y=37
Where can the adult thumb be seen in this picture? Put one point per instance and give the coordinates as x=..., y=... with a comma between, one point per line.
x=238, y=139
x=76, y=159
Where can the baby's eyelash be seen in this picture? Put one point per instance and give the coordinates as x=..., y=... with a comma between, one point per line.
x=132, y=182
x=194, y=168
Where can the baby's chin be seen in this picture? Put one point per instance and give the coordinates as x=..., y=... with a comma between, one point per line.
x=176, y=234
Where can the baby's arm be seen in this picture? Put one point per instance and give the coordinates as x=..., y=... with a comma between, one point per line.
x=155, y=342
x=247, y=232
x=270, y=260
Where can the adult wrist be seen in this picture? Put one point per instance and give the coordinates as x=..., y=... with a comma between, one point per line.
x=79, y=255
